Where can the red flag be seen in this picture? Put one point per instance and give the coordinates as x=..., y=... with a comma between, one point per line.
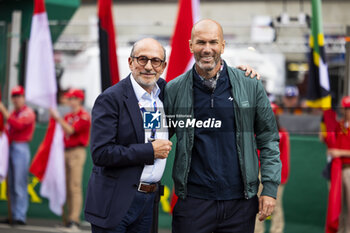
x=108, y=51
x=334, y=197
x=330, y=131
x=41, y=89
x=39, y=163
x=181, y=59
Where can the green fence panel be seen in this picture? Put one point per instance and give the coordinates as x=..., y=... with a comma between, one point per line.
x=306, y=193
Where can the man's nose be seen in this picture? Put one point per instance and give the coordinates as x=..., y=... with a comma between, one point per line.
x=207, y=48
x=148, y=65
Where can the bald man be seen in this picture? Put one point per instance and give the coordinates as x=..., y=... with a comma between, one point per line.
x=226, y=119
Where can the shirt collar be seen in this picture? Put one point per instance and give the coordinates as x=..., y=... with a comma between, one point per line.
x=142, y=93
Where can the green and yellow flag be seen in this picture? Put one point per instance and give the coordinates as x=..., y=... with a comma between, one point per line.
x=318, y=90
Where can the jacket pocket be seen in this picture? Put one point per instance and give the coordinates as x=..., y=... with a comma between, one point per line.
x=100, y=194
x=254, y=186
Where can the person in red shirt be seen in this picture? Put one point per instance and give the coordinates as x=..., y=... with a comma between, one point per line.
x=20, y=127
x=76, y=127
x=277, y=219
x=338, y=143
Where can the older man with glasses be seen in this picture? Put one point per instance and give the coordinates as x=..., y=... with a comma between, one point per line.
x=129, y=160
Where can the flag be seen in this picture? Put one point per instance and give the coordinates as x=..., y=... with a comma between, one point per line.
x=2, y=124
x=4, y=148
x=48, y=166
x=329, y=130
x=41, y=89
x=335, y=194
x=318, y=90
x=4, y=155
x=181, y=59
x=108, y=50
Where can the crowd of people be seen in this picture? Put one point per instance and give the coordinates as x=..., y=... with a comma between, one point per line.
x=20, y=128
x=228, y=178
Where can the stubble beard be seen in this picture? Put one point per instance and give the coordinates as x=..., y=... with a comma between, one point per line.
x=145, y=84
x=204, y=66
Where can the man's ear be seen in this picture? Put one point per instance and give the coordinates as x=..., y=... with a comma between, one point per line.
x=190, y=44
x=223, y=46
x=130, y=62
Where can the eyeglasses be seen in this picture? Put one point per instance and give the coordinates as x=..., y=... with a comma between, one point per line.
x=143, y=60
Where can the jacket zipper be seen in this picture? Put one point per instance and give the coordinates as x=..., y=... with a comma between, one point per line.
x=242, y=151
x=212, y=100
x=189, y=152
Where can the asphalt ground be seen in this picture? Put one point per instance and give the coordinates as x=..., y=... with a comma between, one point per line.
x=47, y=226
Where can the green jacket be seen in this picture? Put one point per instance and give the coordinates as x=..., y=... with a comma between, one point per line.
x=255, y=129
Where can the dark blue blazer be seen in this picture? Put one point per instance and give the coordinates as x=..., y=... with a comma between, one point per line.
x=119, y=153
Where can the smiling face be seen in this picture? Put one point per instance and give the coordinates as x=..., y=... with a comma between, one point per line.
x=207, y=45
x=147, y=75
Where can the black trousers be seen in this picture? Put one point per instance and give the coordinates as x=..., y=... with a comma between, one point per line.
x=211, y=216
x=159, y=193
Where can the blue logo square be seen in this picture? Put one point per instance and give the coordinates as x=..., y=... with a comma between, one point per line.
x=152, y=120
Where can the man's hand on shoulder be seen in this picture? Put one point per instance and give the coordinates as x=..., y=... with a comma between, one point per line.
x=249, y=71
x=266, y=206
x=161, y=148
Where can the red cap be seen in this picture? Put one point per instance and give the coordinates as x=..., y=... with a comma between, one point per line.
x=274, y=108
x=75, y=93
x=345, y=102
x=17, y=90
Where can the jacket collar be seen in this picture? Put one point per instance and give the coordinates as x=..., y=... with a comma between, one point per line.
x=132, y=106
